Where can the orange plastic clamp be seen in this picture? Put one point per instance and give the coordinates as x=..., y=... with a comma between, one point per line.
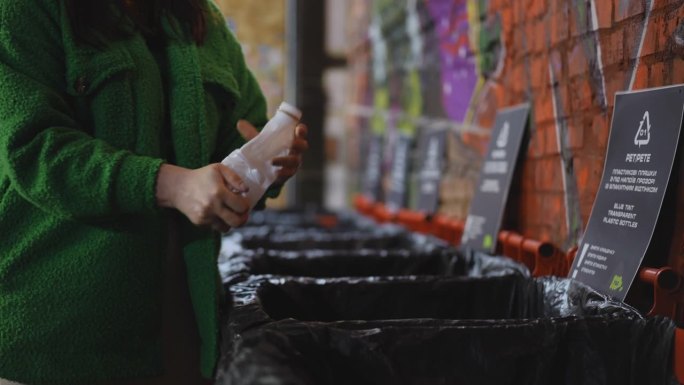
x=547, y=260
x=363, y=205
x=512, y=248
x=440, y=227
x=666, y=290
x=679, y=355
x=382, y=214
x=456, y=227
x=328, y=221
x=569, y=259
x=415, y=221
x=502, y=240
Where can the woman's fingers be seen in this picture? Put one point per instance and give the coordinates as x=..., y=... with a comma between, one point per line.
x=235, y=202
x=301, y=131
x=299, y=146
x=220, y=226
x=290, y=161
x=232, y=180
x=247, y=130
x=209, y=196
x=288, y=167
x=228, y=216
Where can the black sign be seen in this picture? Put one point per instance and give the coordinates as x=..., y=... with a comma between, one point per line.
x=641, y=150
x=396, y=194
x=491, y=194
x=372, y=178
x=431, y=158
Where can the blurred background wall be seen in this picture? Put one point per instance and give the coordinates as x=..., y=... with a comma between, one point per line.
x=401, y=66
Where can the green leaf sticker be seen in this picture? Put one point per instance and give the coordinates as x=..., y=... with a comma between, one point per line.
x=487, y=241
x=616, y=285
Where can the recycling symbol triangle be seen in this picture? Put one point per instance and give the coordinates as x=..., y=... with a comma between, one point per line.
x=502, y=140
x=643, y=135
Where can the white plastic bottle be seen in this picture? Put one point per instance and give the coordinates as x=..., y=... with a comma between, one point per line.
x=253, y=160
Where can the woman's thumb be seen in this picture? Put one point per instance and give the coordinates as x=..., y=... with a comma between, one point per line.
x=247, y=130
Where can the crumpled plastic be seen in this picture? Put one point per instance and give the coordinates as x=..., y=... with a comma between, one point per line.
x=508, y=329
x=299, y=219
x=358, y=303
x=385, y=237
x=312, y=253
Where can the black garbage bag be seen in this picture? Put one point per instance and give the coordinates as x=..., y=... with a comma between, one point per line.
x=340, y=263
x=384, y=237
x=425, y=256
x=416, y=330
x=302, y=219
x=572, y=351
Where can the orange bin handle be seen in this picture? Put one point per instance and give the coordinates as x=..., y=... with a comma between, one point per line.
x=679, y=355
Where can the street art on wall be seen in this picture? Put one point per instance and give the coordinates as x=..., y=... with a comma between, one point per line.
x=260, y=28
x=567, y=58
x=457, y=60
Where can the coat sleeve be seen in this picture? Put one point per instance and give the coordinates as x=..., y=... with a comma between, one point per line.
x=51, y=161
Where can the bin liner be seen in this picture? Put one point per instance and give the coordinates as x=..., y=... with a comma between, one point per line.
x=417, y=330
x=573, y=351
x=306, y=219
x=385, y=237
x=425, y=257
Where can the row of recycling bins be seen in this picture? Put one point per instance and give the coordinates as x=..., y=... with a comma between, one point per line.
x=362, y=303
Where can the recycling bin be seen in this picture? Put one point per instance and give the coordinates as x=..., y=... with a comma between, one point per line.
x=399, y=330
x=426, y=259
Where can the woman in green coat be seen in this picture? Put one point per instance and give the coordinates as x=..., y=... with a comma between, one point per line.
x=114, y=115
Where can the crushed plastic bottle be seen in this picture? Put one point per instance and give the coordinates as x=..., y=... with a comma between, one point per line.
x=252, y=162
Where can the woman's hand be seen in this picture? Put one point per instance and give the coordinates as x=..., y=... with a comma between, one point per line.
x=209, y=196
x=288, y=164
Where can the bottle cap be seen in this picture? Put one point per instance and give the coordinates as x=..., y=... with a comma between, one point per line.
x=290, y=110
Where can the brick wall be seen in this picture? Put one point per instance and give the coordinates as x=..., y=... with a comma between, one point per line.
x=567, y=58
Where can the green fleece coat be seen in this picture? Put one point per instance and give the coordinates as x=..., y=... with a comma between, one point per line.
x=80, y=147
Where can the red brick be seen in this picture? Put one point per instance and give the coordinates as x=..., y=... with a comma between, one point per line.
x=519, y=12
x=576, y=135
x=536, y=146
x=629, y=8
x=507, y=19
x=588, y=171
x=527, y=176
x=553, y=228
x=536, y=36
x=580, y=19
x=604, y=13
x=559, y=24
x=518, y=81
x=677, y=71
x=548, y=175
x=543, y=107
x=651, y=44
x=657, y=75
x=539, y=71
x=519, y=39
x=615, y=81
x=548, y=133
x=536, y=8
x=581, y=96
x=641, y=79
x=658, y=4
x=577, y=61
x=599, y=132
x=529, y=36
x=612, y=47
